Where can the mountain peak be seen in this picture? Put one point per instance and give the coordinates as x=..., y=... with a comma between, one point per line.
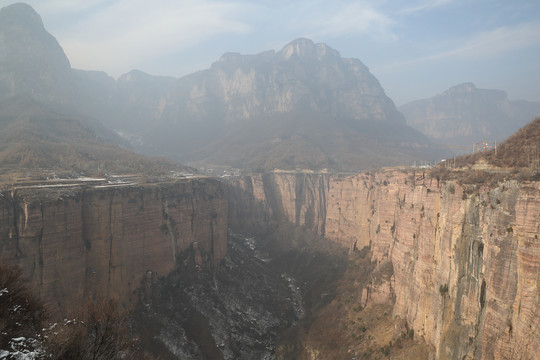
x=32, y=60
x=467, y=87
x=20, y=14
x=465, y=114
x=303, y=47
x=299, y=46
x=231, y=57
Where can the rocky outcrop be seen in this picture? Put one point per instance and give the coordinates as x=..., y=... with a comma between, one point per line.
x=77, y=242
x=301, y=76
x=302, y=107
x=465, y=259
x=234, y=312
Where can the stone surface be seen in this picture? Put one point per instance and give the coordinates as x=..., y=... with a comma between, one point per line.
x=299, y=76
x=79, y=242
x=302, y=107
x=465, y=260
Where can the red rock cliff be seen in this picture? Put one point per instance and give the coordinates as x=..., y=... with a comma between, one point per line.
x=80, y=241
x=466, y=261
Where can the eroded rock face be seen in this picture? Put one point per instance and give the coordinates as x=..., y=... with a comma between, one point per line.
x=87, y=241
x=301, y=76
x=465, y=260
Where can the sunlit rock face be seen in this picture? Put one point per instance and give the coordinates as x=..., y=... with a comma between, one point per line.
x=302, y=76
x=80, y=242
x=465, y=260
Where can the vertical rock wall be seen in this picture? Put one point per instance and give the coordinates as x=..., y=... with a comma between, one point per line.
x=466, y=260
x=103, y=240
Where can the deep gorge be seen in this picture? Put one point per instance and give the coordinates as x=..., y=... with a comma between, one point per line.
x=460, y=263
x=464, y=259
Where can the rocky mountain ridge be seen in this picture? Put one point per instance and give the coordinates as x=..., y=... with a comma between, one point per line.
x=31, y=60
x=464, y=115
x=301, y=107
x=299, y=76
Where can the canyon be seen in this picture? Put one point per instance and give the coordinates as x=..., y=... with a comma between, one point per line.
x=245, y=266
x=461, y=260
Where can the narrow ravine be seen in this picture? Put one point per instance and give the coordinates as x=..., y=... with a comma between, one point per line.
x=236, y=312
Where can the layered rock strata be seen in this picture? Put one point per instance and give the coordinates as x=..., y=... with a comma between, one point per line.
x=465, y=259
x=74, y=242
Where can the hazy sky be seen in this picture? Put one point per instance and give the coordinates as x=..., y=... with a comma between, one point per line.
x=416, y=48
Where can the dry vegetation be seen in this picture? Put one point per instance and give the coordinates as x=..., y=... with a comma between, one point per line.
x=21, y=313
x=26, y=332
x=518, y=151
x=346, y=328
x=33, y=136
x=516, y=158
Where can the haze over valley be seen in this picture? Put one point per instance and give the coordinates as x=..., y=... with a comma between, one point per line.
x=271, y=205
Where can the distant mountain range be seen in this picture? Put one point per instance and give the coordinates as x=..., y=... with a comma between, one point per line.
x=46, y=108
x=303, y=107
x=464, y=115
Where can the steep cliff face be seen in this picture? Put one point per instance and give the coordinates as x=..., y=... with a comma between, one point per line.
x=466, y=261
x=299, y=76
x=76, y=242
